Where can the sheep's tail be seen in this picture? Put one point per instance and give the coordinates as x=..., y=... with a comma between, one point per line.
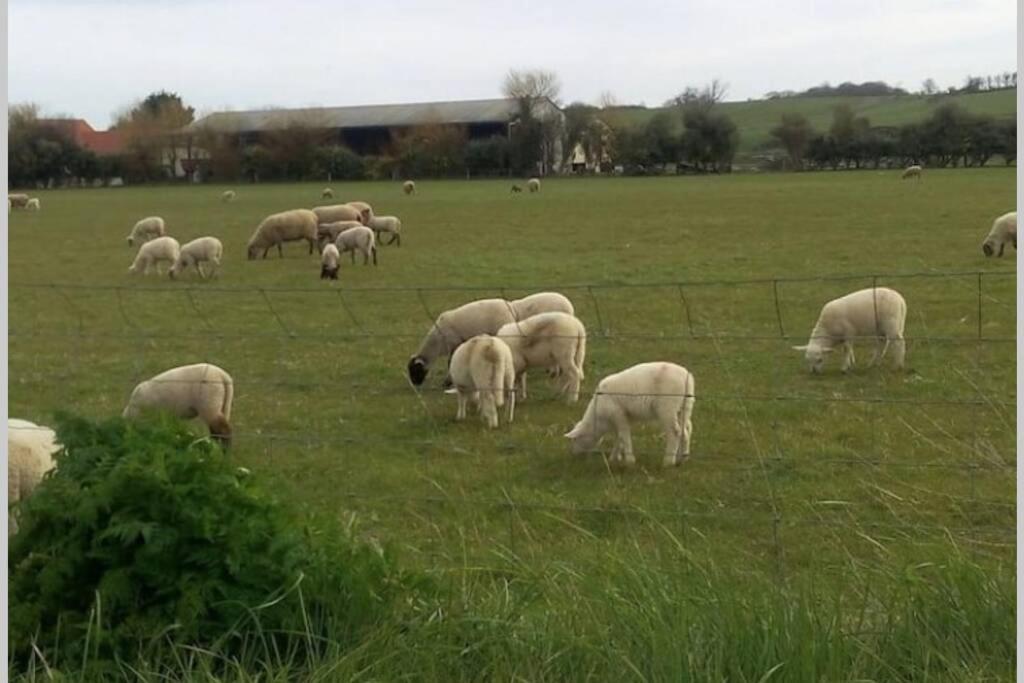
x=229, y=395
x=581, y=352
x=497, y=383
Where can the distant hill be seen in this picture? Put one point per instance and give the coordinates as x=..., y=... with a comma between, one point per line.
x=756, y=118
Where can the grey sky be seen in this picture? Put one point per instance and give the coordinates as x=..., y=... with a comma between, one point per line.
x=91, y=58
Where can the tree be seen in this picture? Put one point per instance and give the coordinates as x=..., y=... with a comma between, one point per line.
x=704, y=98
x=292, y=142
x=709, y=140
x=537, y=135
x=929, y=87
x=794, y=134
x=153, y=133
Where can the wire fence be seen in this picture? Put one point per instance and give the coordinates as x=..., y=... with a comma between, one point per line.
x=964, y=432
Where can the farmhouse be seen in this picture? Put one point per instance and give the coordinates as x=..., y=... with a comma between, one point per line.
x=100, y=142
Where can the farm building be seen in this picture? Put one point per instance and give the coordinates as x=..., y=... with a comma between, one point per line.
x=100, y=142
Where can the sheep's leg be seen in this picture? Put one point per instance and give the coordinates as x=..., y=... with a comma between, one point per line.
x=199, y=269
x=899, y=351
x=265, y=251
x=353, y=255
x=280, y=250
x=522, y=385
x=374, y=250
x=487, y=407
x=1002, y=246
x=847, y=355
x=881, y=346
x=460, y=413
x=626, y=443
x=673, y=434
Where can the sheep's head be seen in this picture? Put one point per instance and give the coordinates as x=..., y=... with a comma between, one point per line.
x=987, y=249
x=251, y=253
x=131, y=241
x=417, y=370
x=814, y=355
x=583, y=437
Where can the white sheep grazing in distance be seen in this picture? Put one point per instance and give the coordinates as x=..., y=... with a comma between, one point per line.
x=327, y=193
x=278, y=228
x=409, y=187
x=32, y=204
x=911, y=172
x=1004, y=229
x=30, y=450
x=148, y=228
x=202, y=390
x=454, y=326
x=388, y=224
x=548, y=340
x=482, y=368
x=155, y=252
x=359, y=238
x=649, y=391
x=195, y=253
x=228, y=196
x=329, y=259
x=879, y=313
x=18, y=200
x=533, y=184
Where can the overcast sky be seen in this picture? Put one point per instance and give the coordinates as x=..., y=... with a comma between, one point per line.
x=90, y=58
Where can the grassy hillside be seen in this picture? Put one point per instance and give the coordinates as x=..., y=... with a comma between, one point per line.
x=756, y=118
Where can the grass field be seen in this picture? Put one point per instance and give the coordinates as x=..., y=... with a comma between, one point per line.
x=793, y=478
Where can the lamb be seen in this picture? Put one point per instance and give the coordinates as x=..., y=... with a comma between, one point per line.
x=533, y=184
x=228, y=196
x=333, y=213
x=648, y=391
x=197, y=252
x=202, y=390
x=879, y=313
x=359, y=238
x=388, y=224
x=911, y=172
x=482, y=368
x=409, y=187
x=1004, y=229
x=32, y=204
x=365, y=211
x=516, y=189
x=329, y=262
x=328, y=232
x=542, y=302
x=548, y=340
x=287, y=226
x=148, y=228
x=327, y=193
x=155, y=252
x=454, y=326
x=18, y=200
x=30, y=450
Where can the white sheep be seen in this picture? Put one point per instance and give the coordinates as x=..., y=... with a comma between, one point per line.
x=649, y=391
x=454, y=326
x=155, y=252
x=879, y=313
x=30, y=450
x=364, y=209
x=328, y=232
x=228, y=196
x=329, y=259
x=533, y=184
x=333, y=213
x=148, y=228
x=482, y=368
x=278, y=228
x=911, y=172
x=202, y=390
x=327, y=193
x=18, y=200
x=388, y=224
x=32, y=204
x=195, y=253
x=359, y=238
x=1004, y=229
x=409, y=187
x=548, y=340
x=542, y=302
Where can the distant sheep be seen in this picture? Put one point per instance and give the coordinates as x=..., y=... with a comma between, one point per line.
x=533, y=184
x=482, y=368
x=880, y=313
x=30, y=451
x=278, y=228
x=32, y=204
x=333, y=213
x=18, y=200
x=912, y=172
x=388, y=224
x=359, y=238
x=542, y=302
x=516, y=189
x=329, y=259
x=155, y=252
x=649, y=391
x=202, y=390
x=327, y=193
x=196, y=253
x=364, y=209
x=454, y=326
x=228, y=196
x=548, y=340
x=148, y=228
x=1004, y=229
x=409, y=187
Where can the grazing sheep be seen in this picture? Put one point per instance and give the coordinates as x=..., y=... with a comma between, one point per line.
x=649, y=391
x=278, y=228
x=148, y=228
x=482, y=368
x=18, y=200
x=542, y=302
x=1004, y=229
x=328, y=232
x=388, y=224
x=548, y=340
x=333, y=213
x=911, y=172
x=516, y=189
x=202, y=390
x=327, y=193
x=365, y=211
x=880, y=313
x=329, y=262
x=195, y=253
x=32, y=204
x=30, y=450
x=454, y=326
x=359, y=238
x=409, y=187
x=228, y=196
x=155, y=252
x=533, y=184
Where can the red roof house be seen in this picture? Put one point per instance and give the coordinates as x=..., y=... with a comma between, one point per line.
x=101, y=142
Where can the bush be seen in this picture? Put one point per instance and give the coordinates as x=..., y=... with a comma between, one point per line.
x=145, y=534
x=341, y=163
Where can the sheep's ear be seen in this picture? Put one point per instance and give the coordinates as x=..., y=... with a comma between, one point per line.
x=800, y=348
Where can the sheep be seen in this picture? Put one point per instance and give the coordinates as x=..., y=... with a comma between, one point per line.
x=148, y=228
x=482, y=368
x=648, y=391
x=201, y=390
x=879, y=313
x=32, y=204
x=911, y=172
x=195, y=253
x=388, y=224
x=18, y=200
x=359, y=238
x=333, y=213
x=287, y=226
x=327, y=193
x=329, y=262
x=533, y=184
x=516, y=189
x=409, y=187
x=364, y=209
x=542, y=302
x=454, y=326
x=30, y=450
x=548, y=340
x=328, y=232
x=1004, y=229
x=155, y=252
x=228, y=196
